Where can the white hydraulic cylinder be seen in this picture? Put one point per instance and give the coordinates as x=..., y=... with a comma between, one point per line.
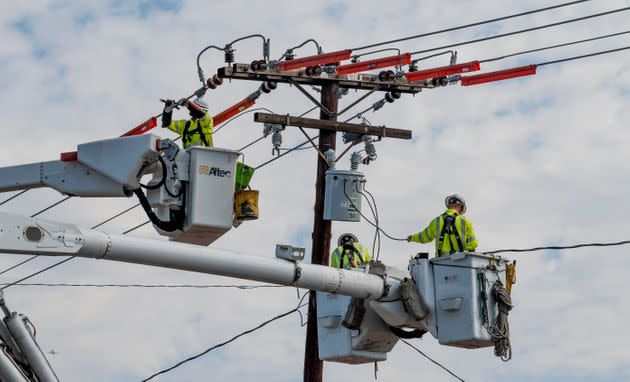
x=24, y=235
x=33, y=354
x=9, y=370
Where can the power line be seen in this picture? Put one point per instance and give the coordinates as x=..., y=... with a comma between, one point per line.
x=558, y=247
x=296, y=309
x=471, y=25
x=432, y=360
x=51, y=206
x=14, y=196
x=583, y=56
x=18, y=264
x=36, y=273
x=165, y=286
x=554, y=46
x=522, y=31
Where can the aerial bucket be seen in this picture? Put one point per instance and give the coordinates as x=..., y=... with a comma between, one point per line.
x=246, y=205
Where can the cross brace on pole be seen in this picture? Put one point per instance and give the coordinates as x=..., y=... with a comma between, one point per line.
x=332, y=125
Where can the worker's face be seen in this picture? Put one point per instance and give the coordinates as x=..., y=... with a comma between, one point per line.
x=194, y=113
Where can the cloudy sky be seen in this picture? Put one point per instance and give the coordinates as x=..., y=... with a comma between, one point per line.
x=540, y=160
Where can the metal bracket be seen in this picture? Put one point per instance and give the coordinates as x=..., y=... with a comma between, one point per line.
x=311, y=98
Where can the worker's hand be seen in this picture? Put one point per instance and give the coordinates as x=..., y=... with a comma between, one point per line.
x=409, y=238
x=169, y=105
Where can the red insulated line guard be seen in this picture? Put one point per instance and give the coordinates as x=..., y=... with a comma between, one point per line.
x=500, y=75
x=443, y=71
x=402, y=59
x=321, y=59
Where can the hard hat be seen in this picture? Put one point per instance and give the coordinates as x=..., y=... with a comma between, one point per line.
x=198, y=104
x=345, y=237
x=455, y=199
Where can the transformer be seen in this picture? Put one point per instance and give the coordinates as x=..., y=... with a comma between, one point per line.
x=342, y=201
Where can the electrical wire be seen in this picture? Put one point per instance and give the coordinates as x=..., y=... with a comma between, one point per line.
x=558, y=247
x=239, y=115
x=36, y=273
x=568, y=21
x=472, y=24
x=554, y=46
x=583, y=56
x=296, y=309
x=14, y=196
x=166, y=286
x=431, y=359
x=368, y=220
x=51, y=206
x=18, y=264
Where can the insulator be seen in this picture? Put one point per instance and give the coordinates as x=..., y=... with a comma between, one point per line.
x=214, y=81
x=313, y=70
x=386, y=75
x=354, y=60
x=268, y=86
x=396, y=95
x=276, y=140
x=330, y=156
x=389, y=97
x=355, y=161
x=289, y=55
x=370, y=149
x=413, y=66
x=258, y=65
x=229, y=55
x=439, y=81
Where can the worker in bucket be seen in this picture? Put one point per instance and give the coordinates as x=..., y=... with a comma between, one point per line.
x=349, y=253
x=452, y=231
x=196, y=131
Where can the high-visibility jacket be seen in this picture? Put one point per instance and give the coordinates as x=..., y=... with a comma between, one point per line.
x=449, y=243
x=346, y=258
x=195, y=131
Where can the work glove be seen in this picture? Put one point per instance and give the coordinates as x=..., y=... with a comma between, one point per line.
x=169, y=105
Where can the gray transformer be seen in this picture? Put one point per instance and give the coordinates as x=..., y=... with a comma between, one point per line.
x=343, y=195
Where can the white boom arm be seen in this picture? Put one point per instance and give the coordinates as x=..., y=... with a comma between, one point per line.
x=24, y=235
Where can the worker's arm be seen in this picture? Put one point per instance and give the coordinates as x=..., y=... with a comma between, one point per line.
x=177, y=126
x=334, y=259
x=426, y=236
x=206, y=127
x=365, y=254
x=471, y=239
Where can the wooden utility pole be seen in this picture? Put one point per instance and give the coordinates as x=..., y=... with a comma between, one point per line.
x=328, y=128
x=313, y=367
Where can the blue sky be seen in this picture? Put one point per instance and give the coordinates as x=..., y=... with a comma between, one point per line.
x=540, y=161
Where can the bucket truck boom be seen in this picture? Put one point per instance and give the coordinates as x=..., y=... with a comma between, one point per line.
x=361, y=313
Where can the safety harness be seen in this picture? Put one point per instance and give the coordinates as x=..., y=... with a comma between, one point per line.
x=450, y=230
x=351, y=252
x=186, y=136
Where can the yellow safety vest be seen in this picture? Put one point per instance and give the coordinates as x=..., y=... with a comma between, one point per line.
x=346, y=259
x=462, y=228
x=195, y=131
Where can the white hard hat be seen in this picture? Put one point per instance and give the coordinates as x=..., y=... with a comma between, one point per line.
x=199, y=104
x=344, y=237
x=455, y=199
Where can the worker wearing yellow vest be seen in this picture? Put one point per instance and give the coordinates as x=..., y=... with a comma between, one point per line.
x=452, y=231
x=197, y=131
x=349, y=253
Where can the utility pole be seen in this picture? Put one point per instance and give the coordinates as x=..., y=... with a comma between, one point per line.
x=313, y=366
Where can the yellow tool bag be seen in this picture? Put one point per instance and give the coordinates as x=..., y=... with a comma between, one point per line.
x=246, y=205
